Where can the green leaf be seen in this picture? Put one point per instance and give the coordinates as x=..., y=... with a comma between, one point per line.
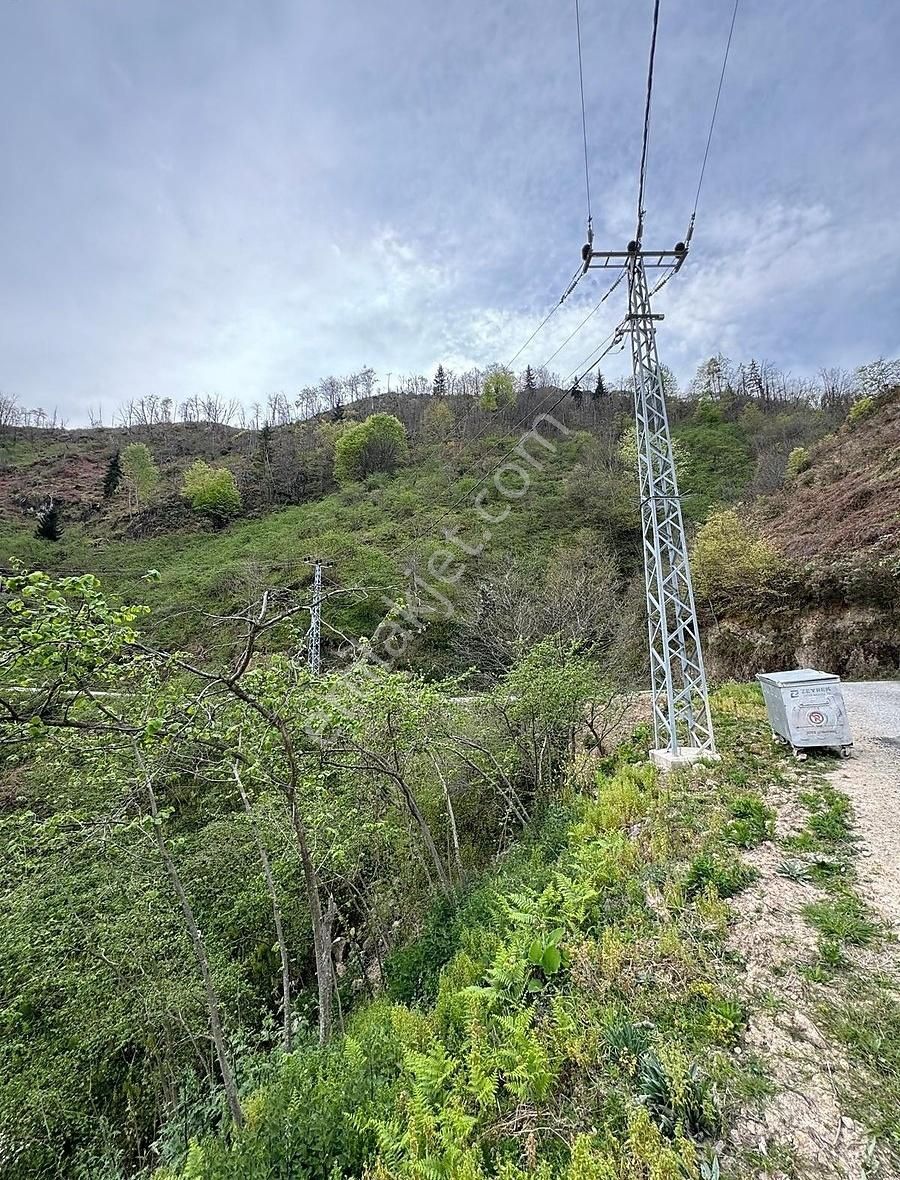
x=551, y=959
x=536, y=951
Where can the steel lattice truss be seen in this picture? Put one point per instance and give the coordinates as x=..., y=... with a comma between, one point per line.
x=680, y=699
x=314, y=644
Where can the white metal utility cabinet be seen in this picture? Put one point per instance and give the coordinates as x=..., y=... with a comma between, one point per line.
x=806, y=710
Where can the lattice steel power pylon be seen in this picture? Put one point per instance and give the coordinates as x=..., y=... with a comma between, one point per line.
x=681, y=719
x=314, y=637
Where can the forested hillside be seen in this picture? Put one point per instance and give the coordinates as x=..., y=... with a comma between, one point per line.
x=736, y=430
x=810, y=575
x=429, y=913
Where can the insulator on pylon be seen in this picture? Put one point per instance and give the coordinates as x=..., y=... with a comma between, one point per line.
x=632, y=247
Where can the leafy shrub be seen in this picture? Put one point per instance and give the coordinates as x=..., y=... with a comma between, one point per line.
x=798, y=460
x=860, y=409
x=211, y=490
x=720, y=460
x=412, y=971
x=377, y=444
x=731, y=559
x=438, y=422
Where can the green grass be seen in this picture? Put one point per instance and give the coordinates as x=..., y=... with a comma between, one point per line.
x=841, y=919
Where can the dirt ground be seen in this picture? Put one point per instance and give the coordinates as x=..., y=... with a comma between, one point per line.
x=871, y=779
x=805, y=1116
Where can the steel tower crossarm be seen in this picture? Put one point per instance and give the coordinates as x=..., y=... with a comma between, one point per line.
x=681, y=718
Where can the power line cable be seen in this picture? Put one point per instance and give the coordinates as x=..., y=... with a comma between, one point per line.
x=712, y=122
x=587, y=174
x=589, y=316
x=547, y=318
x=479, y=434
x=614, y=340
x=645, y=142
x=583, y=368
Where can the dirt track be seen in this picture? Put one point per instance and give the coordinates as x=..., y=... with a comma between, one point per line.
x=807, y=1113
x=871, y=779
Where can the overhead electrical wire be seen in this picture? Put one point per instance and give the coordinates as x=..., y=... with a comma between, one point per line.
x=616, y=337
x=547, y=318
x=712, y=122
x=587, y=174
x=613, y=339
x=553, y=354
x=585, y=365
x=645, y=139
x=589, y=316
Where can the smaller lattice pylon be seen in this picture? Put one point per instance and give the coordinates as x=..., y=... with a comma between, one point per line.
x=314, y=637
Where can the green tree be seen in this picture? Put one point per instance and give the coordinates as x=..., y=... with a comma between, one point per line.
x=140, y=473
x=599, y=390
x=262, y=461
x=628, y=453
x=713, y=380
x=211, y=491
x=530, y=385
x=113, y=476
x=376, y=444
x=439, y=387
x=498, y=390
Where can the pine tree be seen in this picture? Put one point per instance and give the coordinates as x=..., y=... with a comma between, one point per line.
x=113, y=477
x=48, y=526
x=529, y=379
x=262, y=460
x=337, y=414
x=576, y=394
x=599, y=390
x=439, y=387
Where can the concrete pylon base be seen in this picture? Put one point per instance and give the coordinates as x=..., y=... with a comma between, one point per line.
x=665, y=760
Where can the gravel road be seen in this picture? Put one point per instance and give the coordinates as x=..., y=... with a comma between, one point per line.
x=871, y=779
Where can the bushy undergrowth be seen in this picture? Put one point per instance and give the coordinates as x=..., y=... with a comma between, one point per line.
x=574, y=1016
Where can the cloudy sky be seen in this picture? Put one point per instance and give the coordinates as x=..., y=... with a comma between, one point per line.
x=242, y=196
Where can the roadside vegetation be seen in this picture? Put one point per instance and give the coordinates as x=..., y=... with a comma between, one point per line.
x=430, y=913
x=569, y=1007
